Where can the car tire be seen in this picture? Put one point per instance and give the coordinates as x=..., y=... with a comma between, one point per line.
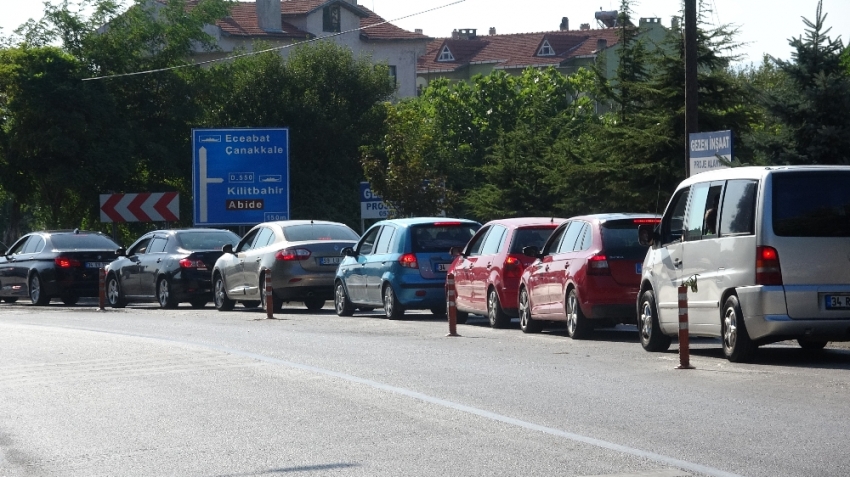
x=314, y=304
x=578, y=326
x=495, y=313
x=277, y=304
x=392, y=307
x=342, y=305
x=114, y=294
x=37, y=295
x=526, y=323
x=649, y=330
x=198, y=303
x=737, y=345
x=811, y=345
x=222, y=303
x=164, y=295
x=70, y=299
x=10, y=299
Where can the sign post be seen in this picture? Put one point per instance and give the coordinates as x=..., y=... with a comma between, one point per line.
x=240, y=176
x=704, y=149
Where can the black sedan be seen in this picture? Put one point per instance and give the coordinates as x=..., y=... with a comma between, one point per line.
x=167, y=266
x=55, y=264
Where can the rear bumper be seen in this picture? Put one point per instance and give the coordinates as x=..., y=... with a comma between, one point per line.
x=421, y=295
x=603, y=298
x=767, y=319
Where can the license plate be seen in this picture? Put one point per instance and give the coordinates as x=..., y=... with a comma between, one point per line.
x=96, y=264
x=837, y=302
x=442, y=267
x=638, y=268
x=330, y=260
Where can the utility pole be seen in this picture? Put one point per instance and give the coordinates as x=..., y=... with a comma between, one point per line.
x=691, y=86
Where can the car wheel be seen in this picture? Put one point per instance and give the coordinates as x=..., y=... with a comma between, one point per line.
x=198, y=302
x=222, y=303
x=70, y=299
x=114, y=294
x=277, y=304
x=314, y=304
x=737, y=345
x=163, y=294
x=342, y=304
x=497, y=316
x=37, y=294
x=10, y=299
x=811, y=345
x=392, y=308
x=526, y=323
x=651, y=337
x=578, y=326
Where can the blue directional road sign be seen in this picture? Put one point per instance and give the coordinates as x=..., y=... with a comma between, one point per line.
x=241, y=176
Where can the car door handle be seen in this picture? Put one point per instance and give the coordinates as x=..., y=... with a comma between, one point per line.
x=258, y=260
x=489, y=265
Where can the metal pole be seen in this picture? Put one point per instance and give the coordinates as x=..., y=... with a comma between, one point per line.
x=684, y=334
x=691, y=85
x=451, y=305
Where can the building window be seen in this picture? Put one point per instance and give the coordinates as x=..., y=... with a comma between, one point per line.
x=330, y=19
x=446, y=55
x=393, y=75
x=546, y=49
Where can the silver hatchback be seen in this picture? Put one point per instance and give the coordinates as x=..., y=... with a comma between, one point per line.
x=771, y=251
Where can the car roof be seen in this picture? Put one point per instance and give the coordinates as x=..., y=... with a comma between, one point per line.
x=752, y=172
x=527, y=221
x=607, y=217
x=194, y=229
x=289, y=223
x=426, y=220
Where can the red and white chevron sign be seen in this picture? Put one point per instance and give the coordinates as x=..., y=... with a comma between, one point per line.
x=144, y=207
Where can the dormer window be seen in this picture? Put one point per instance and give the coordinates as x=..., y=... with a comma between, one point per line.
x=546, y=49
x=446, y=55
x=330, y=19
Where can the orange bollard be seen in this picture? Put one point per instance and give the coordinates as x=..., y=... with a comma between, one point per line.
x=101, y=294
x=451, y=305
x=269, y=295
x=684, y=337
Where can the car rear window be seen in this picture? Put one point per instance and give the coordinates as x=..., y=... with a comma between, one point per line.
x=206, y=240
x=302, y=233
x=531, y=237
x=620, y=240
x=811, y=204
x=70, y=242
x=433, y=238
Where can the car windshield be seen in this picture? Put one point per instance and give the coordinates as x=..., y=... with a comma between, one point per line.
x=811, y=204
x=440, y=237
x=82, y=242
x=201, y=240
x=531, y=237
x=302, y=233
x=620, y=240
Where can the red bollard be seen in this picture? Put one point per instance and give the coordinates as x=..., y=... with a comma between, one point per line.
x=451, y=305
x=269, y=295
x=684, y=337
x=101, y=295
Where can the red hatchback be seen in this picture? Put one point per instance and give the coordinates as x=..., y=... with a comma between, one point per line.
x=587, y=274
x=487, y=271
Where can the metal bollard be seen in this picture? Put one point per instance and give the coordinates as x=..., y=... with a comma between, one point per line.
x=101, y=294
x=269, y=295
x=684, y=338
x=451, y=312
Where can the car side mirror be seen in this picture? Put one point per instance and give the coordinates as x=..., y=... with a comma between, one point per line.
x=349, y=252
x=647, y=236
x=455, y=251
x=121, y=252
x=227, y=248
x=532, y=251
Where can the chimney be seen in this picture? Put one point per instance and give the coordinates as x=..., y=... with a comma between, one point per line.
x=585, y=26
x=418, y=31
x=601, y=44
x=465, y=34
x=565, y=24
x=674, y=23
x=492, y=31
x=268, y=15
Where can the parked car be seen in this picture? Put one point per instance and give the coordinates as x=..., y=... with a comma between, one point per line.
x=488, y=269
x=61, y=264
x=587, y=274
x=167, y=266
x=400, y=265
x=302, y=255
x=772, y=265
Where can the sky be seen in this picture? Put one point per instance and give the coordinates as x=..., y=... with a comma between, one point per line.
x=765, y=26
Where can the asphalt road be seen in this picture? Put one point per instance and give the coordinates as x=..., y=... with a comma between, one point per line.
x=144, y=392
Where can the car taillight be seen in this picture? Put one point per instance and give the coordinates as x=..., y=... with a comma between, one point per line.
x=598, y=265
x=65, y=262
x=292, y=254
x=768, y=271
x=512, y=267
x=408, y=260
x=189, y=263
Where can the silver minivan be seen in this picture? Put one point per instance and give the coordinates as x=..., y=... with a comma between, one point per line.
x=770, y=247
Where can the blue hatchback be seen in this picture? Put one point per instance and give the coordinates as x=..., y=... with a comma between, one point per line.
x=400, y=265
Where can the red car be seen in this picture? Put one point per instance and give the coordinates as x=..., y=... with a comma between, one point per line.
x=488, y=269
x=587, y=274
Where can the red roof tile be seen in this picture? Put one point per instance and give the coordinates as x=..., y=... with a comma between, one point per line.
x=242, y=21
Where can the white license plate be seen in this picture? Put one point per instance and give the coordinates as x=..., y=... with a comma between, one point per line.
x=330, y=260
x=96, y=264
x=639, y=268
x=837, y=302
x=442, y=267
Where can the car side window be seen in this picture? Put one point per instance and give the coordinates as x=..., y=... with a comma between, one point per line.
x=34, y=245
x=555, y=239
x=583, y=242
x=19, y=247
x=140, y=247
x=673, y=223
x=367, y=243
x=247, y=241
x=739, y=208
x=264, y=238
x=494, y=240
x=571, y=237
x=477, y=242
x=157, y=245
x=696, y=211
x=385, y=239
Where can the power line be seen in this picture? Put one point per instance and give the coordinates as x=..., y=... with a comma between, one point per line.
x=228, y=58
